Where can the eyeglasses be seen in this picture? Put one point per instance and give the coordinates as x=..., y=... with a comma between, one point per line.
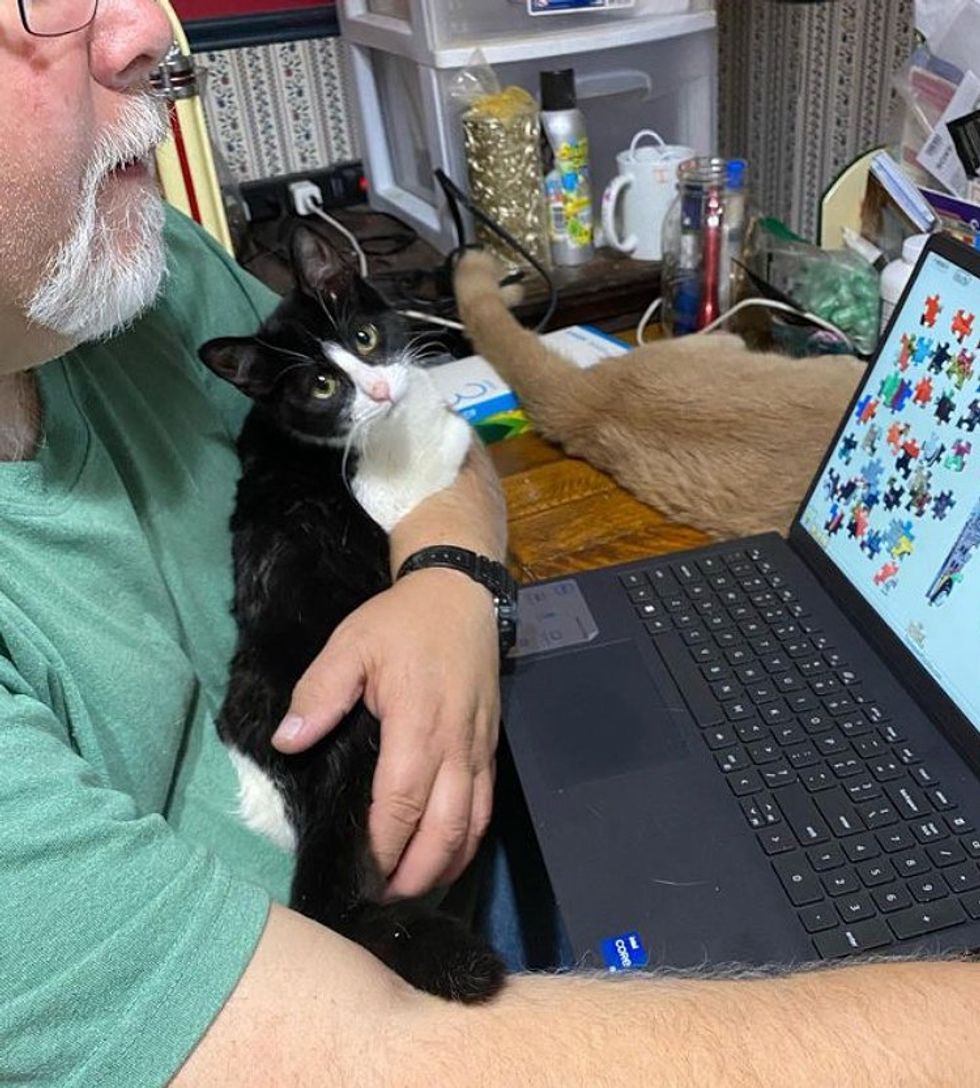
x=53, y=18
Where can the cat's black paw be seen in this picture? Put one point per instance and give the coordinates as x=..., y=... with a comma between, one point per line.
x=437, y=954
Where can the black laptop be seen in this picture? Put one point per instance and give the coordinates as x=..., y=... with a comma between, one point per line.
x=767, y=751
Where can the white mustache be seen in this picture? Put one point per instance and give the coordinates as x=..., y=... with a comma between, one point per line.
x=141, y=126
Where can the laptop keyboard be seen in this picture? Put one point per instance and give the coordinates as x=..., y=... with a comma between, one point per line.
x=867, y=843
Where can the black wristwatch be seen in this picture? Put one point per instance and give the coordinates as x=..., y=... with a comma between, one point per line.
x=487, y=572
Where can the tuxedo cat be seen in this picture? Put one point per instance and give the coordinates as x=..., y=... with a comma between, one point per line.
x=344, y=438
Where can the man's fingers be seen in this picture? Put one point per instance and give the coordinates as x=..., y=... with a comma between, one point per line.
x=441, y=836
x=480, y=812
x=403, y=781
x=325, y=693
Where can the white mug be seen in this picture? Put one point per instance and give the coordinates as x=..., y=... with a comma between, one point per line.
x=645, y=187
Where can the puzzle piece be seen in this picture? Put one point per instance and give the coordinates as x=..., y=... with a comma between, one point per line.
x=962, y=326
x=971, y=417
x=923, y=392
x=901, y=397
x=870, y=441
x=933, y=449
x=847, y=448
x=906, y=351
x=933, y=308
x=960, y=370
x=896, y=436
x=942, y=504
x=910, y=451
x=944, y=407
x=941, y=357
x=832, y=483
x=894, y=495
x=889, y=387
x=923, y=345
x=886, y=574
x=872, y=472
x=871, y=544
x=956, y=461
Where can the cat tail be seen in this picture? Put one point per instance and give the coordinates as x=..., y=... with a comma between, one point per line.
x=551, y=389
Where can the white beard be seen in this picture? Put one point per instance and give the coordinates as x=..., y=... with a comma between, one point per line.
x=110, y=268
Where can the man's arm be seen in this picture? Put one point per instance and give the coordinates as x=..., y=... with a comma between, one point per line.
x=424, y=655
x=314, y=1010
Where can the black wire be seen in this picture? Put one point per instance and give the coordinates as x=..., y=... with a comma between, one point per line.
x=456, y=196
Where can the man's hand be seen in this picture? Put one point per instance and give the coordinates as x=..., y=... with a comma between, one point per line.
x=424, y=656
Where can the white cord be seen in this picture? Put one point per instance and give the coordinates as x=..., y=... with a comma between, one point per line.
x=646, y=318
x=362, y=261
x=431, y=319
x=775, y=304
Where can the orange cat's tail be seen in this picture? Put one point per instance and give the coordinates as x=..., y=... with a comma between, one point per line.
x=548, y=385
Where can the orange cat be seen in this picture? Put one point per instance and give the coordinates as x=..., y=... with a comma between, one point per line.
x=704, y=430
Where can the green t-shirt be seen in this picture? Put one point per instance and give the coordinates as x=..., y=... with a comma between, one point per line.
x=131, y=898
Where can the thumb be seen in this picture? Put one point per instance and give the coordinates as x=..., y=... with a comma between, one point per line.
x=324, y=694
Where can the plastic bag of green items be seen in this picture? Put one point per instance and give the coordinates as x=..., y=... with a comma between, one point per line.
x=837, y=285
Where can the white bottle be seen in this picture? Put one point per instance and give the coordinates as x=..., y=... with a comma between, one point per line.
x=895, y=275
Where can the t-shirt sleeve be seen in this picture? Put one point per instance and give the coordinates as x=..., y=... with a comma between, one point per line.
x=208, y=294
x=119, y=941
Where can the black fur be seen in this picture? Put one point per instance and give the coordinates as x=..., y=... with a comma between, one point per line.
x=305, y=556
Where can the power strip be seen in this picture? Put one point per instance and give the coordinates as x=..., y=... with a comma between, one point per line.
x=341, y=185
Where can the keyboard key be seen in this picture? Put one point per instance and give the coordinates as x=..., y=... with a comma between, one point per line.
x=685, y=572
x=832, y=744
x=802, y=815
x=711, y=564
x=760, y=811
x=877, y=814
x=642, y=593
x=750, y=674
x=822, y=916
x=803, y=755
x=816, y=723
x=886, y=769
x=775, y=663
x=927, y=918
x=859, y=937
x=776, y=713
x=715, y=672
x=907, y=755
x=928, y=888
x=752, y=730
x=838, y=811
x=857, y=725
x=824, y=685
x=908, y=799
x=738, y=709
x=939, y=799
x=838, y=705
x=778, y=774
x=927, y=831
x=946, y=853
x=765, y=752
x=777, y=841
x=874, y=873
x=724, y=690
x=761, y=693
x=658, y=625
x=862, y=789
x=734, y=759
x=744, y=783
x=861, y=848
x=963, y=878
x=790, y=733
x=801, y=885
x=910, y=863
x=890, y=732
x=971, y=844
x=895, y=839
x=788, y=682
x=738, y=656
x=634, y=579
x=876, y=713
x=959, y=824
x=812, y=666
x=817, y=778
x=692, y=635
x=853, y=908
x=892, y=898
x=846, y=766
x=842, y=883
x=801, y=701
x=822, y=858
x=866, y=747
x=663, y=581
x=923, y=776
x=719, y=736
x=703, y=654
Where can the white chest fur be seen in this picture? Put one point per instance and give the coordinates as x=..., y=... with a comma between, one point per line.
x=415, y=451
x=260, y=805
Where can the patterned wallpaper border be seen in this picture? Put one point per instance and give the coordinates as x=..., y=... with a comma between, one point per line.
x=280, y=109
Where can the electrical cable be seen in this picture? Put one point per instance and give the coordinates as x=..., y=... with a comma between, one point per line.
x=454, y=197
x=647, y=318
x=362, y=261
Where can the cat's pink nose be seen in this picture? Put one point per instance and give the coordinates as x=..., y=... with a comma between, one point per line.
x=379, y=391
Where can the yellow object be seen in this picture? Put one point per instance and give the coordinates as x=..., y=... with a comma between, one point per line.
x=841, y=203
x=185, y=163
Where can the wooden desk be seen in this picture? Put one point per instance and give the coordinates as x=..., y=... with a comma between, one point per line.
x=566, y=516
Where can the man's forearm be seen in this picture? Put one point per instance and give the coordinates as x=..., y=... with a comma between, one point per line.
x=470, y=514
x=861, y=1027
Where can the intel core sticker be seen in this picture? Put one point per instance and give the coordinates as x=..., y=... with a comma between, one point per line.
x=625, y=953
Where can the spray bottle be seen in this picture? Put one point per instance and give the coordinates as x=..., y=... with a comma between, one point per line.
x=568, y=182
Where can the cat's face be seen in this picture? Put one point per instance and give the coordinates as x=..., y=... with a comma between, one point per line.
x=330, y=362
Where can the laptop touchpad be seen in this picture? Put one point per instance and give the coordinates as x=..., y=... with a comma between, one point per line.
x=594, y=714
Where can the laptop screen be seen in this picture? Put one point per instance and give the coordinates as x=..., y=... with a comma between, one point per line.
x=897, y=507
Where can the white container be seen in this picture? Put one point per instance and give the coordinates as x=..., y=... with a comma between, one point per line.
x=662, y=75
x=444, y=33
x=896, y=275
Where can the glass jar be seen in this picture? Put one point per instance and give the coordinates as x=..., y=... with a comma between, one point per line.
x=703, y=235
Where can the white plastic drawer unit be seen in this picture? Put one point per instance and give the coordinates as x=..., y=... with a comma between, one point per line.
x=655, y=72
x=443, y=33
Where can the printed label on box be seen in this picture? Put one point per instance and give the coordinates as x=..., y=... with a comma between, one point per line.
x=625, y=953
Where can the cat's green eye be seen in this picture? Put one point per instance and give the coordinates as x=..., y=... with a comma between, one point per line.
x=367, y=339
x=324, y=387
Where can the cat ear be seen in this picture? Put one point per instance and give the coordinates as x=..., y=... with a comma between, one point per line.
x=237, y=360
x=318, y=267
